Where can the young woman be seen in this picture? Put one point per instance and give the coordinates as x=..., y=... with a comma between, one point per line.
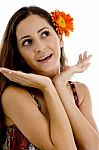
x=40, y=108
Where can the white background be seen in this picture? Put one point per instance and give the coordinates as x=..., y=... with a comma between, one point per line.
x=84, y=38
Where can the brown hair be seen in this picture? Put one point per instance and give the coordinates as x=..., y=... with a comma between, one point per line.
x=9, y=55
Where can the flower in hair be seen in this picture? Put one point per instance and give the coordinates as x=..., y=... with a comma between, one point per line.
x=63, y=22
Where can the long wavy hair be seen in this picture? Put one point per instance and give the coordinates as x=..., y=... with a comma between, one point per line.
x=9, y=54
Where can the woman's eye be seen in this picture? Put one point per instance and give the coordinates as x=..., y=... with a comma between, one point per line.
x=27, y=42
x=45, y=33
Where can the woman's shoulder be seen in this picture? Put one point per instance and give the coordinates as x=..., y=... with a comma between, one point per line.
x=81, y=86
x=10, y=95
x=14, y=94
x=12, y=90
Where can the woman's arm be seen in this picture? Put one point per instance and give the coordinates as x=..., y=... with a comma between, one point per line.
x=18, y=105
x=83, y=125
x=58, y=124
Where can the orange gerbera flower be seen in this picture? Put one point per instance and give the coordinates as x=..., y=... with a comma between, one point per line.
x=63, y=22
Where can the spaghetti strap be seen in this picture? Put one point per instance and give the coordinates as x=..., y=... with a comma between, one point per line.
x=74, y=93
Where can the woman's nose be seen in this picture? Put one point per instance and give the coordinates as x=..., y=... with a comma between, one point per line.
x=40, y=47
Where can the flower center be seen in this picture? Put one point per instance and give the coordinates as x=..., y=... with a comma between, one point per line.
x=61, y=22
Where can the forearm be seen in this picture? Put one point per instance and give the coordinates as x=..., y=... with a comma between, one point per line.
x=84, y=133
x=60, y=128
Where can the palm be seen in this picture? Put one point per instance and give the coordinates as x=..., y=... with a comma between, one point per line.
x=69, y=71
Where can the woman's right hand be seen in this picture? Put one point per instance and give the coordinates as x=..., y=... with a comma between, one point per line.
x=26, y=79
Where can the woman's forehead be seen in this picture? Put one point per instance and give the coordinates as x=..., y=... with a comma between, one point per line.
x=32, y=23
x=33, y=20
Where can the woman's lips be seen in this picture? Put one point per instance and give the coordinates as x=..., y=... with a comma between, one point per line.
x=45, y=58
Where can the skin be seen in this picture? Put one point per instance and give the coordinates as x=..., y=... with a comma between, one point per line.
x=40, y=45
x=54, y=93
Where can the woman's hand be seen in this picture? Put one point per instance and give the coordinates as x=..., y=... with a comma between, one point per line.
x=81, y=65
x=26, y=79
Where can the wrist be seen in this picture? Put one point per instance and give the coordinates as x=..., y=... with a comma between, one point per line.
x=65, y=76
x=72, y=70
x=48, y=85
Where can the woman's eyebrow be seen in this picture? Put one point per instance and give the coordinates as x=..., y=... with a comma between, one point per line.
x=24, y=37
x=42, y=29
x=37, y=32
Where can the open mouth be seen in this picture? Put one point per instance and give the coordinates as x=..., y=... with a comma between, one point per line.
x=45, y=58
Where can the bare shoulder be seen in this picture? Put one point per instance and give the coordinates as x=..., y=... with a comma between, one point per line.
x=13, y=95
x=13, y=91
x=19, y=106
x=82, y=91
x=81, y=86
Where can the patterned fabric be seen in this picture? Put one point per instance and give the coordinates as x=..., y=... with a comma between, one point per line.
x=74, y=93
x=15, y=140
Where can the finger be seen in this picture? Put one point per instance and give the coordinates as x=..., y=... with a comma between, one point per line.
x=85, y=67
x=18, y=76
x=19, y=80
x=85, y=55
x=88, y=58
x=5, y=70
x=9, y=73
x=15, y=78
x=80, y=57
x=13, y=73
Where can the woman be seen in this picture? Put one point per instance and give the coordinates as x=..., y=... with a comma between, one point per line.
x=40, y=107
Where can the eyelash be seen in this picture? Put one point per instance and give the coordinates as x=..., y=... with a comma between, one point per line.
x=47, y=33
x=27, y=40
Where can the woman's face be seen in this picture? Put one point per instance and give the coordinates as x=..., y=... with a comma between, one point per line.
x=39, y=45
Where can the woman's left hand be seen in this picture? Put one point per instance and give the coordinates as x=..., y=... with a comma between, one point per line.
x=81, y=65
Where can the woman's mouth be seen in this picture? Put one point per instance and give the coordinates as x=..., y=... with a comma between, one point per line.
x=44, y=59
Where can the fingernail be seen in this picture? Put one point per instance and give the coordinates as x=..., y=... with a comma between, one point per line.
x=10, y=72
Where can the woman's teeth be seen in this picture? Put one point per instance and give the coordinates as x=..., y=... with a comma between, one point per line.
x=44, y=57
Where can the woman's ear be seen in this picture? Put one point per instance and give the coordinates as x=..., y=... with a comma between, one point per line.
x=61, y=41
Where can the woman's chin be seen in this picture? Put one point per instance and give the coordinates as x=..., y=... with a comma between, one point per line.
x=51, y=72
